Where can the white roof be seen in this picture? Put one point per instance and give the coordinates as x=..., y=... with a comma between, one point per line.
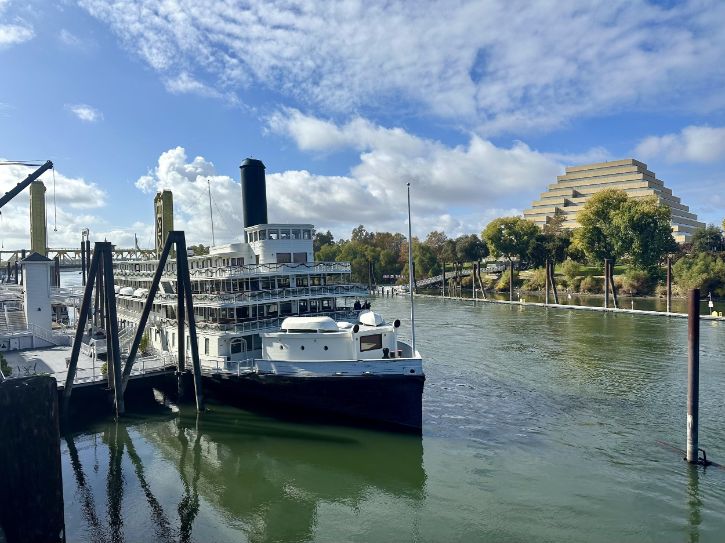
x=309, y=324
x=370, y=318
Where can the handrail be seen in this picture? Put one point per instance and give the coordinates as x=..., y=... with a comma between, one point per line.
x=281, y=294
x=246, y=270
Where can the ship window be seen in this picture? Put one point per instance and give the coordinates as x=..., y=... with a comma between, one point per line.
x=306, y=234
x=296, y=234
x=262, y=235
x=284, y=258
x=206, y=345
x=273, y=233
x=371, y=343
x=236, y=345
x=300, y=258
x=284, y=234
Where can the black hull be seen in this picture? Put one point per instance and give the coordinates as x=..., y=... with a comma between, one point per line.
x=387, y=401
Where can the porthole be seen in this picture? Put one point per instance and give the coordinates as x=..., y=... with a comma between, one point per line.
x=281, y=347
x=302, y=347
x=325, y=347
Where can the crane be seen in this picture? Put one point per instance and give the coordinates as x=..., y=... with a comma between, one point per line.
x=12, y=193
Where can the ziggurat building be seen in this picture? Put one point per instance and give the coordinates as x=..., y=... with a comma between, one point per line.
x=579, y=183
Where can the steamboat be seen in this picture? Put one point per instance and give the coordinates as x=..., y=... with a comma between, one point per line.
x=276, y=329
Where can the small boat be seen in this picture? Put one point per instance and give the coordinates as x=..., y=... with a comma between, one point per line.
x=359, y=371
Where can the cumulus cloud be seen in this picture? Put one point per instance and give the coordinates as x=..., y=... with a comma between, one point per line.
x=75, y=200
x=190, y=181
x=492, y=65
x=692, y=144
x=458, y=188
x=85, y=112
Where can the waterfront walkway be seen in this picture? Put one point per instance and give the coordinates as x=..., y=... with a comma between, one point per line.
x=523, y=302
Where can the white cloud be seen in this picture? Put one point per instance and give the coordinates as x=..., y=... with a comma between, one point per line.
x=13, y=34
x=185, y=83
x=692, y=144
x=490, y=65
x=85, y=112
x=188, y=182
x=472, y=182
x=75, y=200
x=68, y=38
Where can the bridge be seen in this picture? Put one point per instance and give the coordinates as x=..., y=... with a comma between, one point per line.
x=438, y=279
x=71, y=258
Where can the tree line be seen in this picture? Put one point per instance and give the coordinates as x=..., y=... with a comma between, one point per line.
x=634, y=234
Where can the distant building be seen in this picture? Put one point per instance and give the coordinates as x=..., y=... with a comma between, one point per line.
x=577, y=185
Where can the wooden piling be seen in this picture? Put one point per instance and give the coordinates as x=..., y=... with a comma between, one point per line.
x=693, y=373
x=546, y=300
x=511, y=280
x=31, y=489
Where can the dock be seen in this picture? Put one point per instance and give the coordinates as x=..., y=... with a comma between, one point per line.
x=523, y=303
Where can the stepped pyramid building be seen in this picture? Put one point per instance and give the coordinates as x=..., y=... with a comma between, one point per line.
x=574, y=188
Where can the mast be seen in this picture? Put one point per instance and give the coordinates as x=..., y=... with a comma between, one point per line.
x=410, y=276
x=211, y=214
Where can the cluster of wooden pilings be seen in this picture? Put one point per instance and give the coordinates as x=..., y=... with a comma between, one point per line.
x=99, y=279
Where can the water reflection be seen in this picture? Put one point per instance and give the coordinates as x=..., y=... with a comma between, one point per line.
x=228, y=473
x=694, y=503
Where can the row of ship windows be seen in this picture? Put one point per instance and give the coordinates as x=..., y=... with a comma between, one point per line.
x=278, y=233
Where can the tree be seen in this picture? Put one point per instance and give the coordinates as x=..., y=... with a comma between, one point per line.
x=470, y=248
x=510, y=237
x=359, y=233
x=598, y=236
x=707, y=239
x=320, y=240
x=644, y=232
x=199, y=250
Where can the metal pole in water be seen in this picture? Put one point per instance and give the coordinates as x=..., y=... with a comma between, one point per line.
x=410, y=275
x=693, y=373
x=606, y=283
x=669, y=284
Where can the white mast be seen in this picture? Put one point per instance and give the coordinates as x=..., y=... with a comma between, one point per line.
x=211, y=214
x=410, y=276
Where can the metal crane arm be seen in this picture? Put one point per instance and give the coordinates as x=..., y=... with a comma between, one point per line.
x=23, y=184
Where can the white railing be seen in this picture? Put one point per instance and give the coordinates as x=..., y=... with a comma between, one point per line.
x=48, y=335
x=249, y=270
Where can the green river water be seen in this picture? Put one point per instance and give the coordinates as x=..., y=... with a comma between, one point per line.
x=539, y=425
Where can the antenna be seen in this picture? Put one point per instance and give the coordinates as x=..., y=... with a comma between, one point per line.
x=410, y=276
x=211, y=213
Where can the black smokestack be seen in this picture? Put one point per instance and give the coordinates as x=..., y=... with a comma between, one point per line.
x=254, y=192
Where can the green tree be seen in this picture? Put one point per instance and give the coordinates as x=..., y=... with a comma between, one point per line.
x=470, y=248
x=598, y=236
x=199, y=250
x=510, y=237
x=707, y=239
x=320, y=240
x=644, y=232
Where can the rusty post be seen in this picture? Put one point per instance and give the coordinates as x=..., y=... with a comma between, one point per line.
x=606, y=283
x=693, y=373
x=669, y=284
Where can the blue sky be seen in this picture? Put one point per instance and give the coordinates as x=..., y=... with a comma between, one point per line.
x=478, y=104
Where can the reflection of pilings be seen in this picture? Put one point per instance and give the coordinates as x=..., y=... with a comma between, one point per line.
x=694, y=503
x=87, y=503
x=161, y=522
x=114, y=485
x=189, y=505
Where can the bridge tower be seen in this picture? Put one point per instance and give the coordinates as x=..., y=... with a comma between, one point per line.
x=38, y=225
x=164, y=218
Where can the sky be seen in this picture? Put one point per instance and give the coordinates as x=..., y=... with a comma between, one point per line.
x=478, y=105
